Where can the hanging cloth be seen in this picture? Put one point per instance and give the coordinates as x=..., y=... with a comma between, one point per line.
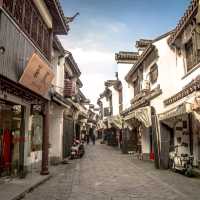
x=6, y=155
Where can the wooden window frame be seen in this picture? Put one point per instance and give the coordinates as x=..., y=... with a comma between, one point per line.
x=136, y=86
x=153, y=73
x=190, y=62
x=41, y=38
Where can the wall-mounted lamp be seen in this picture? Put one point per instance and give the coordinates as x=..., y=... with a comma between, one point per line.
x=2, y=50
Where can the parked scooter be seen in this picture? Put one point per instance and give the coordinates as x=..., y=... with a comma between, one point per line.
x=77, y=149
x=181, y=163
x=81, y=149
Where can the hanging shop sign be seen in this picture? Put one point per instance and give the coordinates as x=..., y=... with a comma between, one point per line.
x=69, y=88
x=37, y=75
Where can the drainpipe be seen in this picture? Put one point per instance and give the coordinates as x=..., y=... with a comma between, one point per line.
x=45, y=141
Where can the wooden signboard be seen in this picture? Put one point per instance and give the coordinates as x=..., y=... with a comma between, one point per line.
x=37, y=75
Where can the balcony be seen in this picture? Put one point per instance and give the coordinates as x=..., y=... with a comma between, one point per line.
x=144, y=97
x=27, y=17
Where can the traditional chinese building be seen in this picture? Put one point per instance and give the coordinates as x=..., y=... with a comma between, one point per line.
x=27, y=30
x=179, y=118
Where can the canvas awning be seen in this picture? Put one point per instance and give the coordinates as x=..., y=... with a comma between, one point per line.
x=116, y=121
x=179, y=110
x=101, y=125
x=142, y=114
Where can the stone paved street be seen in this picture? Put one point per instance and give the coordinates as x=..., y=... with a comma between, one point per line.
x=104, y=174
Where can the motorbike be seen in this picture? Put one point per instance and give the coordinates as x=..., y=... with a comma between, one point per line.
x=77, y=149
x=81, y=149
x=181, y=162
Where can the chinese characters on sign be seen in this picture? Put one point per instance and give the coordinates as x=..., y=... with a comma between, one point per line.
x=37, y=76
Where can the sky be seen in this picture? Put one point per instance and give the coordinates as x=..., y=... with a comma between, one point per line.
x=105, y=27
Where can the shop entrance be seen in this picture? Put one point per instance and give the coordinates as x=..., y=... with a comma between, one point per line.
x=11, y=138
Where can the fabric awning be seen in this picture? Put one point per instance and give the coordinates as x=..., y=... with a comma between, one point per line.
x=179, y=110
x=116, y=121
x=141, y=114
x=101, y=125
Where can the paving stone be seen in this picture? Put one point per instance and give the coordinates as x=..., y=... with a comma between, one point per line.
x=106, y=174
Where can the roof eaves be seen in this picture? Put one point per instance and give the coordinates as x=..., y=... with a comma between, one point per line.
x=141, y=59
x=189, y=13
x=72, y=63
x=59, y=45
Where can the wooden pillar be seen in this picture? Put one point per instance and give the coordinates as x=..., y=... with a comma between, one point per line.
x=45, y=141
x=190, y=133
x=51, y=45
x=21, y=145
x=155, y=139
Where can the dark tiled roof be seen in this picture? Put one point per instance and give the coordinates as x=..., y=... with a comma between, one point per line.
x=141, y=59
x=72, y=63
x=59, y=22
x=145, y=53
x=190, y=12
x=115, y=83
x=58, y=45
x=143, y=43
x=126, y=56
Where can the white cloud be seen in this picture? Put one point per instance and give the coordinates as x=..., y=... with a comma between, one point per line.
x=93, y=50
x=96, y=67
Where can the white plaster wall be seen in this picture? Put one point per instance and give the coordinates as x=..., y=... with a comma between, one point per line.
x=56, y=131
x=115, y=101
x=171, y=72
x=127, y=90
x=145, y=140
x=55, y=55
x=184, y=138
x=60, y=76
x=105, y=104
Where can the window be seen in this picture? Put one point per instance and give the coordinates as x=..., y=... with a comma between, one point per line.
x=29, y=20
x=189, y=52
x=107, y=112
x=154, y=73
x=136, y=85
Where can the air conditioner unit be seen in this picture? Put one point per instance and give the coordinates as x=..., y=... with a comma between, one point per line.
x=146, y=85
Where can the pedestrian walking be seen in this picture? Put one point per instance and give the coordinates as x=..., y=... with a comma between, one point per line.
x=87, y=138
x=93, y=139
x=94, y=136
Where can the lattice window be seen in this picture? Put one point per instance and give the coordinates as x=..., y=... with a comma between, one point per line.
x=29, y=20
x=18, y=10
x=8, y=5
x=27, y=17
x=136, y=86
x=189, y=51
x=46, y=41
x=34, y=30
x=40, y=33
x=154, y=73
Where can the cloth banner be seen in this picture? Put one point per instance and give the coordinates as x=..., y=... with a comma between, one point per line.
x=142, y=114
x=116, y=121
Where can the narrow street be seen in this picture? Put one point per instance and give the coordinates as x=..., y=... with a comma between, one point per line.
x=104, y=174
